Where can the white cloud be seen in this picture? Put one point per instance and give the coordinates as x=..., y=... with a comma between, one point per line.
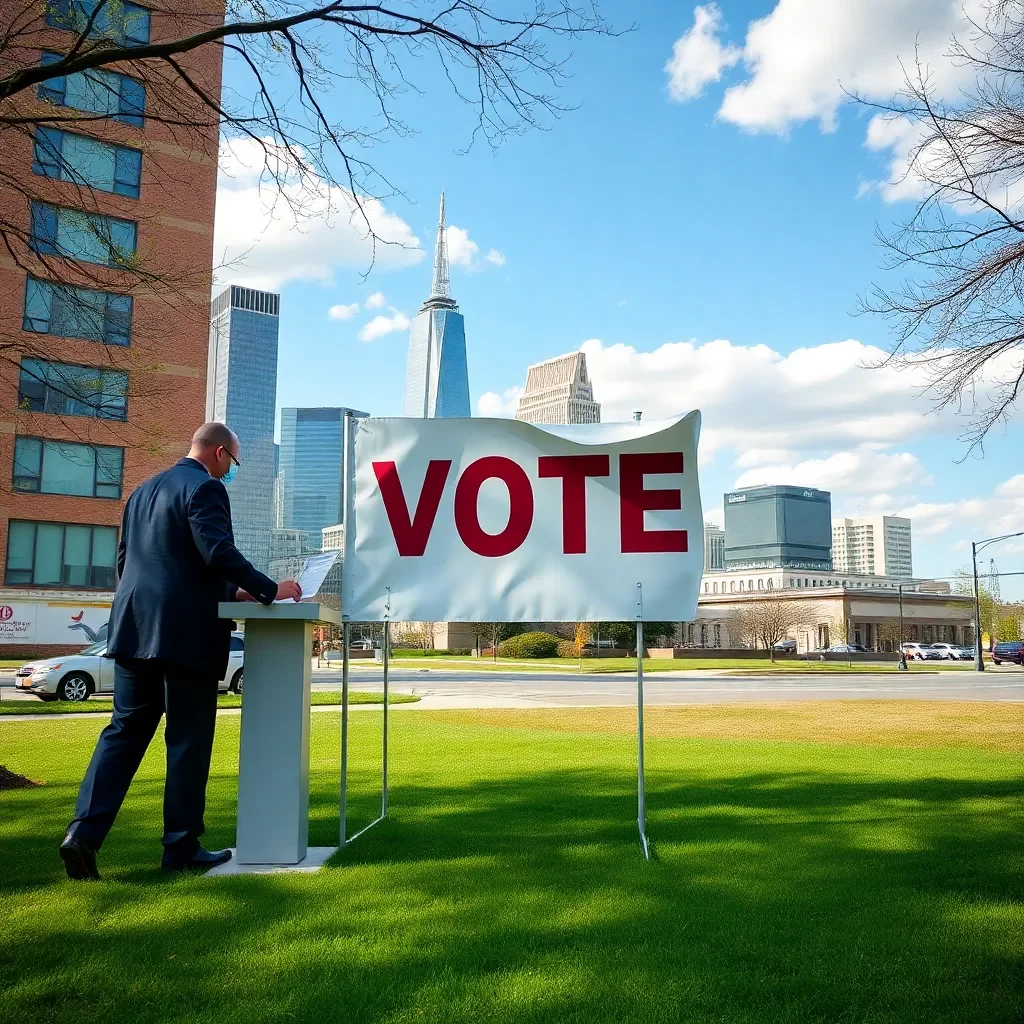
x=376, y=301
x=495, y=256
x=265, y=237
x=490, y=403
x=813, y=399
x=804, y=53
x=856, y=472
x=698, y=58
x=462, y=250
x=381, y=325
x=764, y=457
x=804, y=58
x=343, y=312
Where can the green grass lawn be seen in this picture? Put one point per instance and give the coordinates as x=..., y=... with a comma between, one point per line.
x=100, y=705
x=872, y=877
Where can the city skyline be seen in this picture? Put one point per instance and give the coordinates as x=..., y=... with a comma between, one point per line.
x=670, y=312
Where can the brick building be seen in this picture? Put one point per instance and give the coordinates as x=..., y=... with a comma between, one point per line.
x=104, y=315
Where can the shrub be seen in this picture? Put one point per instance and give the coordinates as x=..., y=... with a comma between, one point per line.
x=568, y=649
x=529, y=645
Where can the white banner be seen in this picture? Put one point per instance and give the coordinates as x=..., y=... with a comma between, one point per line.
x=493, y=520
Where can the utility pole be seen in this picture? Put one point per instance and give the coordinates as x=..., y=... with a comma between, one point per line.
x=976, y=546
x=979, y=661
x=903, y=653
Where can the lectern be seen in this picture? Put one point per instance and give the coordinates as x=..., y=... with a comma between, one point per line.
x=273, y=760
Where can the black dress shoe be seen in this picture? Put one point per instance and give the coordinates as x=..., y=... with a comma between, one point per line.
x=198, y=861
x=79, y=858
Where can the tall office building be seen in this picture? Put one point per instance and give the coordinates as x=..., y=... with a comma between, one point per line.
x=104, y=301
x=436, y=377
x=714, y=548
x=241, y=391
x=559, y=391
x=309, y=469
x=877, y=545
x=767, y=527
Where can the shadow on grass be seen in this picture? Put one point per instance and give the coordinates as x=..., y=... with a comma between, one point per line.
x=508, y=885
x=779, y=896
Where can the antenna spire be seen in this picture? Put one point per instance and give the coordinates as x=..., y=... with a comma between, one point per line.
x=441, y=286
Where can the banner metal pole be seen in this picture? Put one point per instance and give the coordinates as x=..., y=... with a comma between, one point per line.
x=346, y=636
x=641, y=795
x=384, y=762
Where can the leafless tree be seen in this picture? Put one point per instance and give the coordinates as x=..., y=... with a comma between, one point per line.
x=958, y=316
x=768, y=620
x=287, y=58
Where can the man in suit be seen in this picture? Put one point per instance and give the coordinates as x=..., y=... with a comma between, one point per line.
x=176, y=560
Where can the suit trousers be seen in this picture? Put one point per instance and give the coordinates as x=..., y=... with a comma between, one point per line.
x=144, y=690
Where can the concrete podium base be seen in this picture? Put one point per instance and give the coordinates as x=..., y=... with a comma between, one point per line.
x=316, y=857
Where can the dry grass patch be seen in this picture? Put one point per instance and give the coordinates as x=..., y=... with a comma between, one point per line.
x=887, y=723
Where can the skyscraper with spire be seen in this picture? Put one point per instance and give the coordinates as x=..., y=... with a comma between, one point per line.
x=437, y=378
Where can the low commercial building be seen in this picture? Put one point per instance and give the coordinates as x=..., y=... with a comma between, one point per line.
x=829, y=609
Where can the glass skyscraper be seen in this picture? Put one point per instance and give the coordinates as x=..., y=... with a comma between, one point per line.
x=241, y=391
x=437, y=377
x=310, y=468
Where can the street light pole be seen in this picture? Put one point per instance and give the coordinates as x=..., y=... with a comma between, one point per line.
x=976, y=546
x=979, y=661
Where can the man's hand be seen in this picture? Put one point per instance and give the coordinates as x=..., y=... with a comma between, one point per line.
x=288, y=588
x=243, y=595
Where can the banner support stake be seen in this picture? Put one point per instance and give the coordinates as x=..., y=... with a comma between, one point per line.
x=346, y=637
x=641, y=795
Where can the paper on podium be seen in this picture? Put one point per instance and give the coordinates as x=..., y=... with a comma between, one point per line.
x=313, y=574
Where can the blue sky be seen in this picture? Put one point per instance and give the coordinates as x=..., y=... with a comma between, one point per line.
x=702, y=225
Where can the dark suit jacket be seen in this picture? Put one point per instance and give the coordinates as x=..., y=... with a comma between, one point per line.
x=176, y=559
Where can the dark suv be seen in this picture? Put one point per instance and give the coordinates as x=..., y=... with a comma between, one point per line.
x=1011, y=651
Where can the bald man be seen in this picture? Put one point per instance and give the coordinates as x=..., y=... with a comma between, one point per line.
x=176, y=560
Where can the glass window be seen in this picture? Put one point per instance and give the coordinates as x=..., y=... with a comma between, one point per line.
x=77, y=542
x=237, y=643
x=28, y=456
x=96, y=92
x=72, y=390
x=61, y=554
x=49, y=555
x=21, y=539
x=60, y=231
x=86, y=161
x=69, y=469
x=77, y=312
x=122, y=22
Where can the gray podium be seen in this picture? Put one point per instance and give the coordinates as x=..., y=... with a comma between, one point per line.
x=273, y=760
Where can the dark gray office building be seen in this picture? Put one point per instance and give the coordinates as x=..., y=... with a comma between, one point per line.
x=772, y=527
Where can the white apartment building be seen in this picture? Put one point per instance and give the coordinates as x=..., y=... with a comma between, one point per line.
x=714, y=548
x=872, y=545
x=559, y=391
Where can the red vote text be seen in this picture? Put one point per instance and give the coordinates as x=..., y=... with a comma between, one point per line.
x=412, y=527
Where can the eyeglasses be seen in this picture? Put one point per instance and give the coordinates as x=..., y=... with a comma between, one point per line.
x=232, y=458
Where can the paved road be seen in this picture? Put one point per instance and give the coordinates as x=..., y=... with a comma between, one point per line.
x=439, y=688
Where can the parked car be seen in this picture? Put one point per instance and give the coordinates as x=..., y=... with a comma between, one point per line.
x=923, y=652
x=786, y=645
x=954, y=652
x=1010, y=650
x=76, y=677
x=848, y=649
